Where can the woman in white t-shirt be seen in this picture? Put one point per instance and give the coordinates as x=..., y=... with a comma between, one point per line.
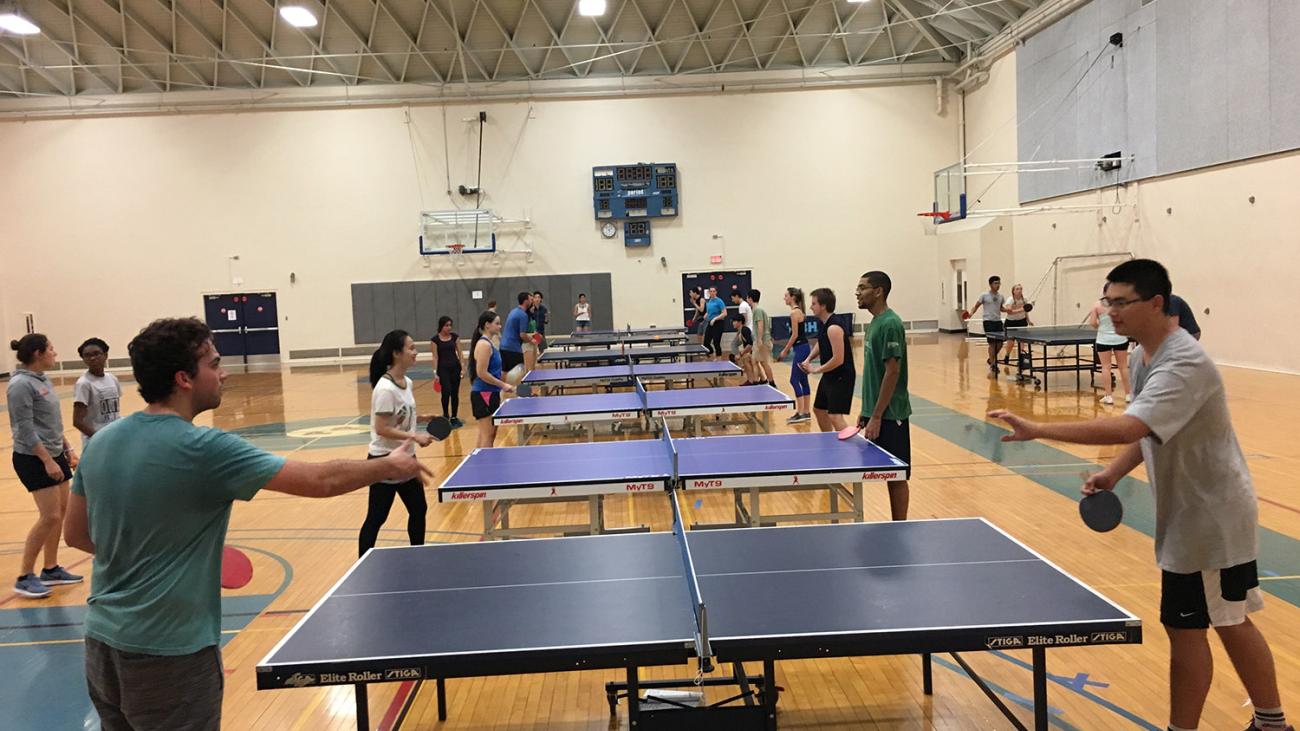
x=392, y=421
x=1108, y=342
x=1017, y=316
x=582, y=314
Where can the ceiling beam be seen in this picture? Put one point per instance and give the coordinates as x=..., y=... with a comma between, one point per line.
x=320, y=52
x=923, y=27
x=154, y=36
x=108, y=43
x=361, y=41
x=21, y=54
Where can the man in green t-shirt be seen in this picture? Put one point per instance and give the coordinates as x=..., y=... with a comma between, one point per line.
x=151, y=501
x=885, y=406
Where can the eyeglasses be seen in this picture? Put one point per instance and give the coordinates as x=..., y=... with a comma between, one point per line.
x=1119, y=304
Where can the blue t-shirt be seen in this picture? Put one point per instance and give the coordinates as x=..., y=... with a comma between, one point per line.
x=714, y=308
x=493, y=367
x=158, y=491
x=516, y=328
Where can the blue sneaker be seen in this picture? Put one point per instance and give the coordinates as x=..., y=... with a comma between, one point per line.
x=31, y=587
x=58, y=575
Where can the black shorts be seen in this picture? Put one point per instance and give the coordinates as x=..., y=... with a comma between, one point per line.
x=31, y=471
x=993, y=326
x=510, y=359
x=896, y=438
x=1203, y=599
x=1016, y=323
x=1103, y=348
x=835, y=394
x=484, y=409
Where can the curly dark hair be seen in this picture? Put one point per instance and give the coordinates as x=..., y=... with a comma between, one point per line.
x=163, y=348
x=92, y=341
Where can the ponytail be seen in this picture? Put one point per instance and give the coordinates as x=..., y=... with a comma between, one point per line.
x=382, y=359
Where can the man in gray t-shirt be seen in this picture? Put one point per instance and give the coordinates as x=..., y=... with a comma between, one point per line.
x=994, y=304
x=1206, y=511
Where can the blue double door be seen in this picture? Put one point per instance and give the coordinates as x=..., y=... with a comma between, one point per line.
x=245, y=324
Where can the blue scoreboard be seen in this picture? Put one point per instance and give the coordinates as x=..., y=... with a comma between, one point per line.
x=635, y=193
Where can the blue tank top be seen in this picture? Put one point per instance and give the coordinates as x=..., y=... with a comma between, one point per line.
x=494, y=367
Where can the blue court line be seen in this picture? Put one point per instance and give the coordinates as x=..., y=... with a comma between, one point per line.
x=1079, y=688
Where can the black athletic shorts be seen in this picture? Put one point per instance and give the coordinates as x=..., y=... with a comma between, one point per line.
x=1219, y=598
x=1103, y=348
x=1016, y=323
x=993, y=326
x=896, y=438
x=484, y=409
x=510, y=359
x=31, y=471
x=835, y=394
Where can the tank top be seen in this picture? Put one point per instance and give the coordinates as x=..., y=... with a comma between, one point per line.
x=1106, y=334
x=824, y=349
x=584, y=312
x=447, y=352
x=801, y=331
x=494, y=367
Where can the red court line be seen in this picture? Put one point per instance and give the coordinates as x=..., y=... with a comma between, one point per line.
x=12, y=596
x=388, y=723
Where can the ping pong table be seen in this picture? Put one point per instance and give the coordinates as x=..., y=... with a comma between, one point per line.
x=554, y=380
x=749, y=466
x=585, y=411
x=755, y=595
x=609, y=356
x=584, y=340
x=1034, y=356
x=629, y=330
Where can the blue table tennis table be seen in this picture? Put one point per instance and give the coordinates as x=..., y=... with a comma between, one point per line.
x=555, y=380
x=614, y=356
x=749, y=466
x=606, y=340
x=692, y=406
x=628, y=330
x=754, y=595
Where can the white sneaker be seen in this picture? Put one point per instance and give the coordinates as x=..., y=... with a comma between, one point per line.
x=1128, y=397
x=1107, y=400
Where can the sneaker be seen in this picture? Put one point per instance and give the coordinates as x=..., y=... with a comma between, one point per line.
x=1107, y=400
x=1253, y=727
x=31, y=587
x=1128, y=397
x=456, y=423
x=800, y=418
x=58, y=575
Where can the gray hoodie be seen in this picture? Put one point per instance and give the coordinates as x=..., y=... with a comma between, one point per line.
x=34, y=413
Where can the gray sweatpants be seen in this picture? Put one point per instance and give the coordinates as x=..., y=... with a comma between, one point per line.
x=134, y=692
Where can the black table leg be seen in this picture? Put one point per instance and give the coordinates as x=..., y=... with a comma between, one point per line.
x=633, y=699
x=1040, y=689
x=770, y=693
x=927, y=682
x=363, y=707
x=442, y=699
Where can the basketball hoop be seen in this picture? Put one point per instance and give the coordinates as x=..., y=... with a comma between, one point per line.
x=932, y=219
x=456, y=251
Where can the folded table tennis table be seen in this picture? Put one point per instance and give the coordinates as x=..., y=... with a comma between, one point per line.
x=758, y=595
x=749, y=466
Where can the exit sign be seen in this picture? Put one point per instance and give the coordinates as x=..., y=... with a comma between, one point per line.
x=715, y=259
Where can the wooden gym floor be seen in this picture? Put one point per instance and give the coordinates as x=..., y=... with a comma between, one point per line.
x=300, y=547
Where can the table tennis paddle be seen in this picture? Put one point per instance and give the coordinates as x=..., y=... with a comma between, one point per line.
x=438, y=427
x=1029, y=307
x=849, y=432
x=965, y=314
x=437, y=385
x=236, y=568
x=537, y=338
x=524, y=389
x=1101, y=511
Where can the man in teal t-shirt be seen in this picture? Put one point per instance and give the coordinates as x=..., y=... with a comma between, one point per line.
x=885, y=405
x=151, y=500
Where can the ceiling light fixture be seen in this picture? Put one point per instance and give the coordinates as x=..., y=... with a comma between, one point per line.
x=11, y=21
x=591, y=8
x=298, y=16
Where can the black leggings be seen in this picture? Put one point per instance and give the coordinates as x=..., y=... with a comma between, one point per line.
x=713, y=337
x=381, y=499
x=449, y=378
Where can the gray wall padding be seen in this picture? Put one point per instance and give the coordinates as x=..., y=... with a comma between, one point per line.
x=378, y=307
x=1197, y=83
